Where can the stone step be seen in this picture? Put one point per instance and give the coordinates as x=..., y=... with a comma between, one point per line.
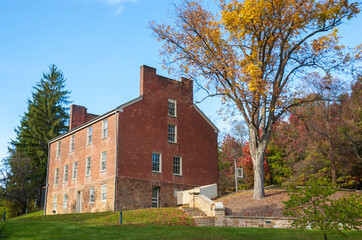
x=193, y=211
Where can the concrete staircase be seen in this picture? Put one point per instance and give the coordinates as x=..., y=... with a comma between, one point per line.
x=199, y=217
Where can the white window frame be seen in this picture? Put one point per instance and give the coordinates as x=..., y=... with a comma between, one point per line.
x=55, y=202
x=180, y=165
x=104, y=193
x=56, y=176
x=160, y=162
x=103, y=160
x=66, y=173
x=175, y=133
x=89, y=135
x=57, y=154
x=239, y=172
x=92, y=189
x=71, y=143
x=65, y=201
x=75, y=171
x=88, y=165
x=175, y=107
x=104, y=128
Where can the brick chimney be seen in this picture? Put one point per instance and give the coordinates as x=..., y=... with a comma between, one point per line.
x=79, y=116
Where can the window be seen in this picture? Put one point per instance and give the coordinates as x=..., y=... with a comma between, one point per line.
x=172, y=107
x=89, y=135
x=56, y=176
x=55, y=202
x=58, y=149
x=75, y=170
x=104, y=192
x=239, y=172
x=105, y=128
x=156, y=162
x=92, y=195
x=103, y=161
x=66, y=173
x=172, y=133
x=177, y=169
x=88, y=166
x=71, y=145
x=65, y=201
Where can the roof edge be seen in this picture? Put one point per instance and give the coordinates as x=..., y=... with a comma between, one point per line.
x=84, y=125
x=206, y=118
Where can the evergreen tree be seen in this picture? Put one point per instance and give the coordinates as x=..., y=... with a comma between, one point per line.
x=46, y=117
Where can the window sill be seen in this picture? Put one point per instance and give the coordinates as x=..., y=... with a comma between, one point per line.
x=177, y=175
x=173, y=142
x=87, y=175
x=103, y=171
x=156, y=172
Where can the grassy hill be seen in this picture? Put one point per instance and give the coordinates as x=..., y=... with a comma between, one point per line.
x=162, y=223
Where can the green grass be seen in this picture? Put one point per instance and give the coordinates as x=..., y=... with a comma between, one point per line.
x=140, y=224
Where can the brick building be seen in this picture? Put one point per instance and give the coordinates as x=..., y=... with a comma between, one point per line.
x=136, y=155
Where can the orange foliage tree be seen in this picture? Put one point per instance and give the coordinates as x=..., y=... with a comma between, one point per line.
x=250, y=53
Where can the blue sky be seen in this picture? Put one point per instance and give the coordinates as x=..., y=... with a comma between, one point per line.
x=98, y=44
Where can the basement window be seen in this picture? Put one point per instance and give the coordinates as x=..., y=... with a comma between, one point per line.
x=65, y=201
x=55, y=202
x=92, y=195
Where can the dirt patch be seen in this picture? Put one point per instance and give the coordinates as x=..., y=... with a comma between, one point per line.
x=243, y=204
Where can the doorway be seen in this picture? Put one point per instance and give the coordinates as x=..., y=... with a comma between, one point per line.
x=156, y=197
x=78, y=203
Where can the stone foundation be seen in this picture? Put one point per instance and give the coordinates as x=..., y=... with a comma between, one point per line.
x=134, y=193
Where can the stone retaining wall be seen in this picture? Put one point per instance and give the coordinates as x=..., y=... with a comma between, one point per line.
x=257, y=222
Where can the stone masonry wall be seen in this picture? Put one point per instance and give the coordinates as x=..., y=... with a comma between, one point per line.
x=133, y=193
x=257, y=222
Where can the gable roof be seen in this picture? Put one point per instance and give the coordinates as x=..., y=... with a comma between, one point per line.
x=206, y=118
x=84, y=125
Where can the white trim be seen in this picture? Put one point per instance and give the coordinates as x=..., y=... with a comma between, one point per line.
x=71, y=143
x=86, y=166
x=55, y=202
x=97, y=119
x=65, y=206
x=160, y=168
x=56, y=177
x=59, y=149
x=177, y=174
x=105, y=192
x=170, y=124
x=174, y=101
x=206, y=118
x=100, y=168
x=104, y=136
x=90, y=195
x=66, y=165
x=75, y=178
x=88, y=135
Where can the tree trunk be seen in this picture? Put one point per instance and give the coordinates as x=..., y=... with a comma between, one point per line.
x=257, y=149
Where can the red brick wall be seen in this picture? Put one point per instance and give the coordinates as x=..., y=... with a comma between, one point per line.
x=83, y=182
x=143, y=129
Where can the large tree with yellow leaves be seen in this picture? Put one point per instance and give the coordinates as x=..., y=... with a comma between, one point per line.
x=251, y=53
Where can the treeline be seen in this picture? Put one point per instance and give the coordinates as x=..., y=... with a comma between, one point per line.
x=319, y=138
x=23, y=175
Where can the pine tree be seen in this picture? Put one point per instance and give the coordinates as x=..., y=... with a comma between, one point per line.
x=46, y=117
